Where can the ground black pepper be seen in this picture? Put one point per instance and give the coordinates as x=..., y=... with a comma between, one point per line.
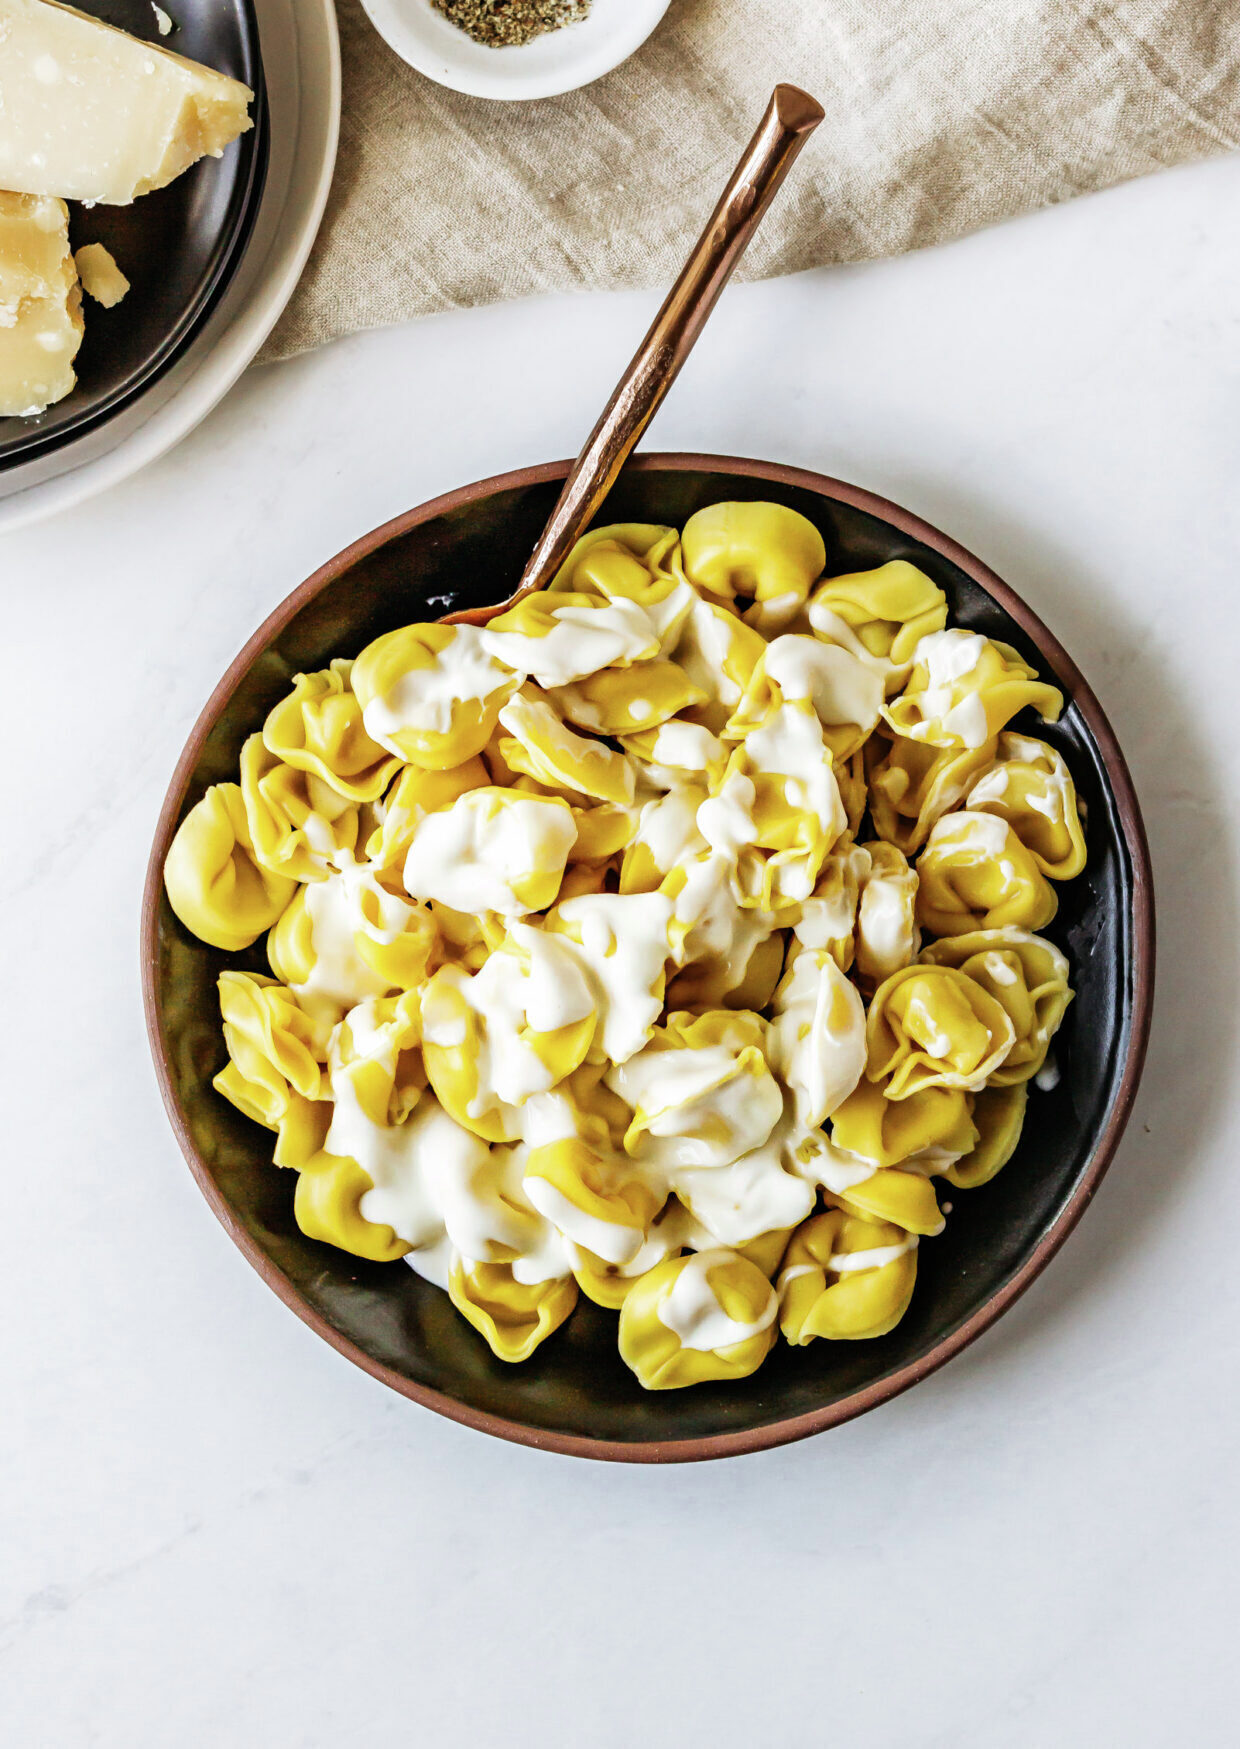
x=506, y=24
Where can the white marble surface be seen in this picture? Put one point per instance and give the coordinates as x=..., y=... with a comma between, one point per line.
x=218, y=1533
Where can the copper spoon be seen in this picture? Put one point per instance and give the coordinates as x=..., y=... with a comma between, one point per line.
x=791, y=116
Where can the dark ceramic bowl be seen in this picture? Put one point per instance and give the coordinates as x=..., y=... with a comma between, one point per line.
x=576, y=1395
x=178, y=247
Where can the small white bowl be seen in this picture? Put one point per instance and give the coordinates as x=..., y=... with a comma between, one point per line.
x=559, y=60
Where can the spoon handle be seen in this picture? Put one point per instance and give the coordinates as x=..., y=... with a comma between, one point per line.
x=791, y=116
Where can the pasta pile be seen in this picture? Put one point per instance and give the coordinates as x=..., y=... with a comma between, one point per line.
x=664, y=940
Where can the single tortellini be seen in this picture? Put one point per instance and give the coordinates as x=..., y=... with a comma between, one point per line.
x=318, y=728
x=431, y=694
x=780, y=795
x=374, y=1064
x=817, y=1040
x=590, y=1192
x=845, y=1277
x=976, y=874
x=603, y=832
x=710, y=1315
x=740, y=1203
x=843, y=693
x=933, y=1026
x=624, y=701
x=719, y=653
x=513, y=1316
x=701, y=1091
x=887, y=934
x=558, y=639
x=1027, y=975
x=299, y=825
x=766, y=552
x=880, y=616
x=492, y=850
x=346, y=938
x=514, y=1028
x=1030, y=787
x=912, y=785
x=999, y=1117
x=327, y=1205
x=935, y=1122
x=272, y=1076
x=416, y=793
x=964, y=688
x=545, y=748
x=628, y=544
x=214, y=881
x=906, y=1198
x=634, y=562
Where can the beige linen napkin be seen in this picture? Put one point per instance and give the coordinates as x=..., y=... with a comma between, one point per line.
x=942, y=116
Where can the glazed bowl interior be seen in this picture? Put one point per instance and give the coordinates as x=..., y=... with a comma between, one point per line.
x=575, y=1394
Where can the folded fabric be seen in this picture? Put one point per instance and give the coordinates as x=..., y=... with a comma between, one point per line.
x=942, y=116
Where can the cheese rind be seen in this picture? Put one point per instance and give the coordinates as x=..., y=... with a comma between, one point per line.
x=101, y=278
x=40, y=304
x=90, y=113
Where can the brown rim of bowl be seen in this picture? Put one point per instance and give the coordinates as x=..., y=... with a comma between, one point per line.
x=795, y=1427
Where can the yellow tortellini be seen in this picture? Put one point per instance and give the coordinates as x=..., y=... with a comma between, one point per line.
x=416, y=793
x=318, y=729
x=976, y=874
x=845, y=1277
x=998, y=1117
x=670, y=938
x=880, y=615
x=934, y=1026
x=887, y=933
x=964, y=688
x=327, y=1206
x=272, y=1075
x=515, y=1028
x=299, y=825
x=701, y=1091
x=719, y=653
x=493, y=849
x=912, y=785
x=1027, y=976
x=843, y=693
x=1030, y=787
x=935, y=1121
x=431, y=694
x=766, y=552
x=709, y=1315
x=545, y=748
x=626, y=701
x=559, y=638
x=214, y=881
x=514, y=1316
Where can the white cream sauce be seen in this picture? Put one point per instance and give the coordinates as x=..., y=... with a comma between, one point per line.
x=469, y=856
x=581, y=641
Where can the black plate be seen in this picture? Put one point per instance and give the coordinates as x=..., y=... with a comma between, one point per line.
x=575, y=1394
x=177, y=247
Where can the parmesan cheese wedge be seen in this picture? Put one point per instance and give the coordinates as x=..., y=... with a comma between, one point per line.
x=40, y=304
x=90, y=113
